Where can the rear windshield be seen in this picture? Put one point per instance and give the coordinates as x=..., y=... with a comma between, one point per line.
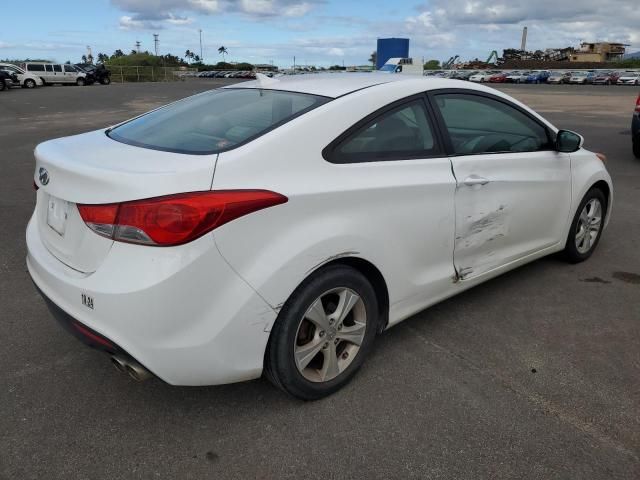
x=214, y=121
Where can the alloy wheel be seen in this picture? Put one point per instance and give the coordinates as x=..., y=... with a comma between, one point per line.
x=589, y=225
x=330, y=334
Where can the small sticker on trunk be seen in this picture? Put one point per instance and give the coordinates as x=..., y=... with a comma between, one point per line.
x=87, y=301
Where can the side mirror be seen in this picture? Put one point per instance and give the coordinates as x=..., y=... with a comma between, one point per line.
x=568, y=141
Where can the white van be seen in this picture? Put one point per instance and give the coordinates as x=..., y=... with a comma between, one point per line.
x=56, y=73
x=25, y=79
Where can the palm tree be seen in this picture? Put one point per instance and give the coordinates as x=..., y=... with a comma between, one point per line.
x=373, y=58
x=223, y=51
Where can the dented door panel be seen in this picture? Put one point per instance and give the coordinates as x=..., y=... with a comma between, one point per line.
x=521, y=208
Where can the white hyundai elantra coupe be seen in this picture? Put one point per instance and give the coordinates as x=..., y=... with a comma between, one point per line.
x=278, y=225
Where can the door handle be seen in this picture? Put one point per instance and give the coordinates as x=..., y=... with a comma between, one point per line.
x=472, y=180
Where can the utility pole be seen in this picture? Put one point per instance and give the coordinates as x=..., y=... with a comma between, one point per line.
x=155, y=42
x=294, y=64
x=138, y=46
x=201, y=56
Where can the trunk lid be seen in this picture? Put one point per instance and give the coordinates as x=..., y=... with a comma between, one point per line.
x=91, y=168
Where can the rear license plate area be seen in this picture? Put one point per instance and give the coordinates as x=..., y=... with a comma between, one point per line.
x=57, y=214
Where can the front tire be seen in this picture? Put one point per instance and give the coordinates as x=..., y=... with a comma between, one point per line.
x=29, y=83
x=105, y=81
x=323, y=333
x=586, y=227
x=81, y=82
x=636, y=147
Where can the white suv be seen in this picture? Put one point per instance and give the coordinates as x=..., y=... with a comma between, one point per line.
x=56, y=73
x=26, y=80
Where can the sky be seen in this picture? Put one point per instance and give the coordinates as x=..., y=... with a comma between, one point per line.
x=316, y=32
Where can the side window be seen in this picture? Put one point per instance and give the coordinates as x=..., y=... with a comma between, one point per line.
x=36, y=68
x=479, y=124
x=70, y=68
x=49, y=68
x=57, y=68
x=401, y=133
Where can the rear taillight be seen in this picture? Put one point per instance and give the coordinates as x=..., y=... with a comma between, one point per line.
x=638, y=104
x=174, y=219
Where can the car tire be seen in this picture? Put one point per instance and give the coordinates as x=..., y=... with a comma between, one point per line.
x=3, y=86
x=105, y=81
x=586, y=227
x=308, y=355
x=81, y=82
x=29, y=83
x=636, y=147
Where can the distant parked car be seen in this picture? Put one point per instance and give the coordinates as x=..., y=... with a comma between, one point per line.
x=606, y=78
x=635, y=129
x=95, y=73
x=518, y=77
x=24, y=79
x=56, y=73
x=538, y=76
x=582, y=77
x=498, y=77
x=559, y=77
x=464, y=74
x=483, y=76
x=629, y=78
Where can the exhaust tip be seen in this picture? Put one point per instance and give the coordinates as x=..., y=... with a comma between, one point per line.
x=131, y=368
x=119, y=364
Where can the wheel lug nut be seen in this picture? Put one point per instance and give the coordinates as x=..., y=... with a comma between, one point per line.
x=340, y=327
x=322, y=333
x=345, y=355
x=326, y=345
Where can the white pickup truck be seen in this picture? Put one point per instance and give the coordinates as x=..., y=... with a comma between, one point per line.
x=401, y=65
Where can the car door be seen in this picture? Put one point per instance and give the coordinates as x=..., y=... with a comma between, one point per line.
x=70, y=74
x=398, y=172
x=58, y=74
x=513, y=189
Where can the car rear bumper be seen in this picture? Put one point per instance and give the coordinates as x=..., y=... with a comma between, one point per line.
x=181, y=312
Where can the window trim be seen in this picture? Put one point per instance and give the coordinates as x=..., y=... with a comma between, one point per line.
x=329, y=153
x=444, y=131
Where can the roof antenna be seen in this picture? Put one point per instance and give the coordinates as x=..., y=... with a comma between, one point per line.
x=264, y=81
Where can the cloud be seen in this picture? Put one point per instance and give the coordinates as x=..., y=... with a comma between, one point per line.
x=552, y=23
x=151, y=14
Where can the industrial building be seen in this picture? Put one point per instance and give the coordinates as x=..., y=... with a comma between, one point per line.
x=391, y=48
x=599, y=52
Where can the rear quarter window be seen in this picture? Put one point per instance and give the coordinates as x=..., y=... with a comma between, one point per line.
x=215, y=121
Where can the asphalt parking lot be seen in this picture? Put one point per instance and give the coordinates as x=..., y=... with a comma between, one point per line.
x=534, y=374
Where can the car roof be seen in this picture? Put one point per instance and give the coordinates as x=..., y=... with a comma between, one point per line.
x=331, y=85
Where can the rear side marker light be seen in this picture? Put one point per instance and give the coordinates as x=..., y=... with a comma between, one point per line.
x=174, y=219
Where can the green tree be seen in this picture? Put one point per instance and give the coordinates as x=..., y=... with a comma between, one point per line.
x=432, y=65
x=118, y=53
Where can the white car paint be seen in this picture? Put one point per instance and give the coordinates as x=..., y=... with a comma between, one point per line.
x=201, y=313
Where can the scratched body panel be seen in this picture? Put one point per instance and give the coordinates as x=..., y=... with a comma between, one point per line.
x=521, y=210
